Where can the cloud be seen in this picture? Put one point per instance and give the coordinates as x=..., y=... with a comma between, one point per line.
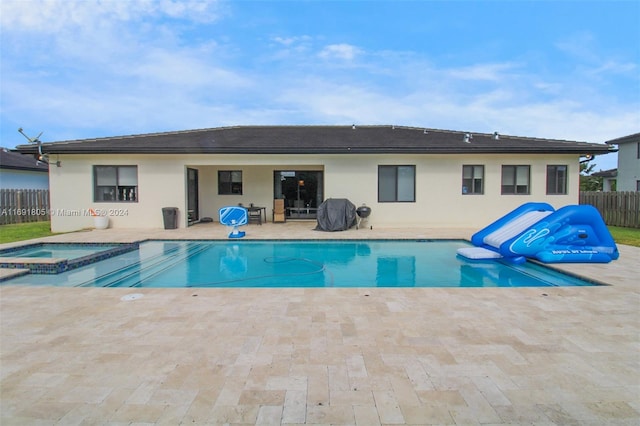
x=579, y=45
x=340, y=51
x=119, y=68
x=614, y=67
x=496, y=72
x=292, y=41
x=186, y=70
x=51, y=16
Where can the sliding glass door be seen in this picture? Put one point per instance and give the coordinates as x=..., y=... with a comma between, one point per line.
x=302, y=191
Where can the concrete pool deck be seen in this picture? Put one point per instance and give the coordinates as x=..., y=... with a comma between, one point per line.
x=363, y=356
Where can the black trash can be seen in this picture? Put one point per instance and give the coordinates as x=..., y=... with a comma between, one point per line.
x=170, y=216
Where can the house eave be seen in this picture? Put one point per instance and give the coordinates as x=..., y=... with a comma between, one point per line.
x=25, y=169
x=583, y=150
x=624, y=139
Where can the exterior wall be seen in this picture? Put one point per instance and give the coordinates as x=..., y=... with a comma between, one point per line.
x=22, y=179
x=608, y=184
x=439, y=199
x=628, y=166
x=161, y=183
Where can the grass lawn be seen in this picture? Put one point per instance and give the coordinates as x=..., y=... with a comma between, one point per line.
x=24, y=231
x=628, y=236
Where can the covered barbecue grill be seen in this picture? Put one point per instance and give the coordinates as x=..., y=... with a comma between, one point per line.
x=363, y=212
x=336, y=214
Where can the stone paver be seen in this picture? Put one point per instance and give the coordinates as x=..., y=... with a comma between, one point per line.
x=352, y=356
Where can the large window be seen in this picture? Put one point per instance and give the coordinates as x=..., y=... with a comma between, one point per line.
x=556, y=180
x=396, y=184
x=115, y=183
x=472, y=179
x=515, y=180
x=229, y=182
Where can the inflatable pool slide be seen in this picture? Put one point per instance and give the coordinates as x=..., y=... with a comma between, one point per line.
x=571, y=234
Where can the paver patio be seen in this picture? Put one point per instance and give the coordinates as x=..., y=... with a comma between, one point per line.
x=345, y=356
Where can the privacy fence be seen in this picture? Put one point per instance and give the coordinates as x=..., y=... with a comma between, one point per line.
x=616, y=208
x=24, y=205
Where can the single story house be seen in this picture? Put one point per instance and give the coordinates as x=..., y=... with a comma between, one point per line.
x=408, y=176
x=19, y=171
x=609, y=178
x=628, y=178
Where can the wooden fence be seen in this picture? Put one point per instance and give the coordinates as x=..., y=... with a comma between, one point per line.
x=616, y=208
x=24, y=205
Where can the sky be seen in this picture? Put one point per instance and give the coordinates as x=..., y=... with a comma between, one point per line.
x=551, y=69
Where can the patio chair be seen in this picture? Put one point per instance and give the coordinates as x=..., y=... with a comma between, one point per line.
x=255, y=214
x=279, y=215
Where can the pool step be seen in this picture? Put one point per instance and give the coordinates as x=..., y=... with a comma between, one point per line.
x=8, y=273
x=167, y=263
x=145, y=268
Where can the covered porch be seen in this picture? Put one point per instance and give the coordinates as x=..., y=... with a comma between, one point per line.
x=210, y=187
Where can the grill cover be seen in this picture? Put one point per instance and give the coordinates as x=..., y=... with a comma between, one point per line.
x=336, y=214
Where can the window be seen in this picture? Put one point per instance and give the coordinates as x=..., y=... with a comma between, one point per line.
x=229, y=182
x=472, y=179
x=515, y=179
x=396, y=183
x=637, y=149
x=115, y=183
x=556, y=180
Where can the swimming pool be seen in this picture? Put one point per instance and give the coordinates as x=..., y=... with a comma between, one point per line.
x=55, y=258
x=303, y=263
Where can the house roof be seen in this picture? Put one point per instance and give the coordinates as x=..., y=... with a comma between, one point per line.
x=16, y=161
x=611, y=173
x=316, y=140
x=625, y=139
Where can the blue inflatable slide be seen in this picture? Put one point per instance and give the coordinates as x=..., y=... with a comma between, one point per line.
x=571, y=234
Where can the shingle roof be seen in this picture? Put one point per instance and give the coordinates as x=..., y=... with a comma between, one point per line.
x=317, y=140
x=611, y=173
x=17, y=161
x=625, y=139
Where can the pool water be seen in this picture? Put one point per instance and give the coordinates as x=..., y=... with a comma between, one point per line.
x=378, y=263
x=57, y=251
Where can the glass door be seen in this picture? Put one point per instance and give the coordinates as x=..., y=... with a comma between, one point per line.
x=192, y=196
x=302, y=191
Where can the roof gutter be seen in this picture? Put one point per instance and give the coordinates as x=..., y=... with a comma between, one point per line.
x=348, y=150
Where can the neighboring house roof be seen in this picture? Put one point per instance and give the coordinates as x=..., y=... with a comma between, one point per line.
x=625, y=139
x=16, y=161
x=606, y=173
x=317, y=140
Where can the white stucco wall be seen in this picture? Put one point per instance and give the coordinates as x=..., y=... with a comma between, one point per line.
x=439, y=200
x=161, y=183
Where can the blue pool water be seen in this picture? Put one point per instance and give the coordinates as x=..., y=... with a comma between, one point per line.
x=57, y=250
x=379, y=263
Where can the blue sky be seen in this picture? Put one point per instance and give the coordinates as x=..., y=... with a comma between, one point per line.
x=552, y=69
